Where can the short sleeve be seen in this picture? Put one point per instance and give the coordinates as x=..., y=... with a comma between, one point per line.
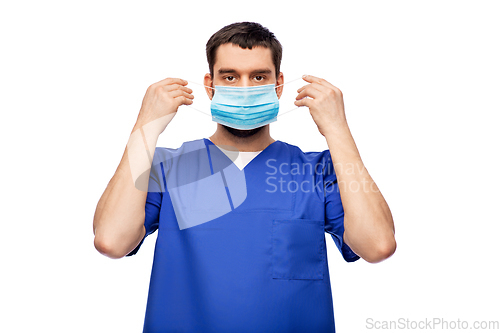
x=334, y=211
x=156, y=187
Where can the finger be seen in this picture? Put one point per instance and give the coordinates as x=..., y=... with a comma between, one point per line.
x=314, y=79
x=303, y=102
x=177, y=93
x=172, y=80
x=302, y=88
x=183, y=100
x=309, y=92
x=172, y=87
x=316, y=86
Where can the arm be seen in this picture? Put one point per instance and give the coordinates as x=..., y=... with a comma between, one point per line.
x=119, y=216
x=368, y=223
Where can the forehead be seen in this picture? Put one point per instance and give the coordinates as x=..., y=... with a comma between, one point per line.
x=243, y=60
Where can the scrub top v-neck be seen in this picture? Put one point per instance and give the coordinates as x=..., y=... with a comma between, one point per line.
x=242, y=250
x=236, y=154
x=240, y=158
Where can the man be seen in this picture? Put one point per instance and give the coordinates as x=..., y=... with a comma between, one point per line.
x=242, y=249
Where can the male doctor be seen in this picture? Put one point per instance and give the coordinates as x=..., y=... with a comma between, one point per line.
x=241, y=240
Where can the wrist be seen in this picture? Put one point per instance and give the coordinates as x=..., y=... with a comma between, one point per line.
x=337, y=130
x=153, y=128
x=341, y=145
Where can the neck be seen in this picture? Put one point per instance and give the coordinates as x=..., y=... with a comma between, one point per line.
x=257, y=142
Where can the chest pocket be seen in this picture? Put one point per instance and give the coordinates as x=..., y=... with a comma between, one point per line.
x=298, y=249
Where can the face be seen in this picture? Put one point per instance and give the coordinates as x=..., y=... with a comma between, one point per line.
x=238, y=67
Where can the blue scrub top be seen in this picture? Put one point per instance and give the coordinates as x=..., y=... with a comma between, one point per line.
x=242, y=250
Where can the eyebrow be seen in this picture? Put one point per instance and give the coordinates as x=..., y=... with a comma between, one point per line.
x=232, y=71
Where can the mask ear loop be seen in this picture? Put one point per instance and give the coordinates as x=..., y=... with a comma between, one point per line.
x=295, y=108
x=192, y=107
x=289, y=82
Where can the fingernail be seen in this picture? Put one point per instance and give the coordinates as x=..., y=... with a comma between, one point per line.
x=304, y=76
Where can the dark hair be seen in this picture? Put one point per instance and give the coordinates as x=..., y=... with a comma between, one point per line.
x=245, y=35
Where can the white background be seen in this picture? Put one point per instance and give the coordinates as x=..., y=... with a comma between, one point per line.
x=420, y=82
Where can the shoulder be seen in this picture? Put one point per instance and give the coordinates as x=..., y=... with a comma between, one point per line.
x=309, y=156
x=319, y=161
x=163, y=154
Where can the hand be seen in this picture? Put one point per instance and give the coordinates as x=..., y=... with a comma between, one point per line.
x=161, y=102
x=325, y=103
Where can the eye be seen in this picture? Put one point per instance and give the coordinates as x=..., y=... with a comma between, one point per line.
x=259, y=78
x=229, y=78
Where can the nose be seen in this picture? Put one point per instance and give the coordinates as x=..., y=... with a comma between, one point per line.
x=244, y=82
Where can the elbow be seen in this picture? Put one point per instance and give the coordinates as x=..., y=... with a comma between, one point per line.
x=117, y=244
x=383, y=250
x=106, y=248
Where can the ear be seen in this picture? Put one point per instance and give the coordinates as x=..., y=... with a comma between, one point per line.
x=207, y=80
x=279, y=83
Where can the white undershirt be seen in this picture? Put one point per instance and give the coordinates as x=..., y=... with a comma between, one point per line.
x=242, y=158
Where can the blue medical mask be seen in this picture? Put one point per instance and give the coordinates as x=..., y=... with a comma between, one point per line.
x=245, y=107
